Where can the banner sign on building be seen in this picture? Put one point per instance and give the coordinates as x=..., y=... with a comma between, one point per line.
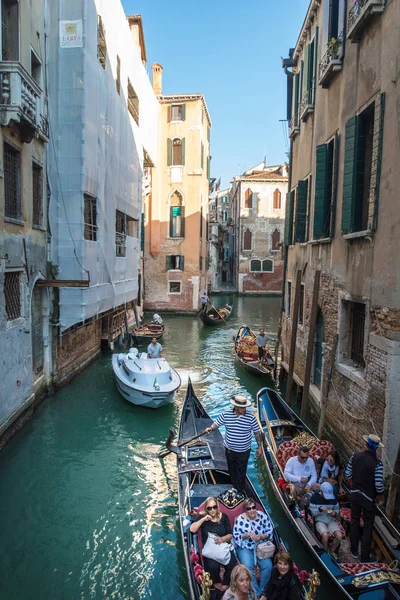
x=71, y=34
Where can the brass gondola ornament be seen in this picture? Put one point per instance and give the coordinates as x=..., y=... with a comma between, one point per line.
x=206, y=584
x=313, y=585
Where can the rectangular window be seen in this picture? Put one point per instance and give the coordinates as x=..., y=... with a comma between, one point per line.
x=174, y=287
x=200, y=263
x=325, y=189
x=118, y=78
x=361, y=171
x=36, y=68
x=12, y=295
x=37, y=195
x=90, y=218
x=288, y=298
x=133, y=102
x=301, y=307
x=357, y=332
x=12, y=182
x=120, y=234
x=10, y=30
x=178, y=112
x=175, y=262
x=101, y=43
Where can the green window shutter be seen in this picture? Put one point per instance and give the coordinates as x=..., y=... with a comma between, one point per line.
x=168, y=262
x=183, y=113
x=182, y=221
x=288, y=219
x=296, y=99
x=182, y=262
x=301, y=81
x=349, y=174
x=321, y=178
x=183, y=150
x=169, y=152
x=310, y=72
x=304, y=70
x=170, y=221
x=334, y=176
x=379, y=160
x=202, y=155
x=301, y=211
x=315, y=65
x=208, y=133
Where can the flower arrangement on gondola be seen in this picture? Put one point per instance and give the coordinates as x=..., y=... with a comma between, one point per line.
x=303, y=575
x=197, y=568
x=282, y=484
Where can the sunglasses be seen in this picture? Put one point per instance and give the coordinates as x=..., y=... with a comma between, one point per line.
x=213, y=507
x=251, y=508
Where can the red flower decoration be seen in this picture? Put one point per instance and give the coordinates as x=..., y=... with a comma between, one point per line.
x=304, y=576
x=194, y=558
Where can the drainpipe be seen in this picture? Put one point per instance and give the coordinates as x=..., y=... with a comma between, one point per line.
x=286, y=63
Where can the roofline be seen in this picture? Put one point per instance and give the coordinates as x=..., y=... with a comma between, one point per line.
x=312, y=9
x=138, y=19
x=166, y=98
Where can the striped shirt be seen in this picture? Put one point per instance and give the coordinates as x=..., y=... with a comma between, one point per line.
x=238, y=429
x=378, y=478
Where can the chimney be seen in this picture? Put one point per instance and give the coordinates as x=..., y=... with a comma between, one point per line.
x=157, y=70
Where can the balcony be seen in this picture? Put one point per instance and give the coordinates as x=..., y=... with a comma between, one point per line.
x=294, y=127
x=331, y=62
x=306, y=105
x=21, y=102
x=362, y=11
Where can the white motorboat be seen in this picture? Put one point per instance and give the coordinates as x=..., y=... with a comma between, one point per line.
x=144, y=381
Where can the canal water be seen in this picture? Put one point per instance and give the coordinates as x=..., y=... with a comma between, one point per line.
x=87, y=510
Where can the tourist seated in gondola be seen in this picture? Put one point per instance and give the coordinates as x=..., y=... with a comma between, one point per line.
x=324, y=507
x=228, y=307
x=216, y=523
x=301, y=474
x=331, y=471
x=240, y=587
x=252, y=527
x=284, y=583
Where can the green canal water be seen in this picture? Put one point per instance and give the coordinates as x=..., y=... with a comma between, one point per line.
x=86, y=508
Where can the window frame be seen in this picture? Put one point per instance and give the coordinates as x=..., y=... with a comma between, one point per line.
x=181, y=111
x=276, y=230
x=10, y=322
x=169, y=287
x=251, y=270
x=133, y=102
x=17, y=217
x=101, y=43
x=38, y=168
x=171, y=216
x=251, y=240
x=279, y=201
x=346, y=364
x=90, y=229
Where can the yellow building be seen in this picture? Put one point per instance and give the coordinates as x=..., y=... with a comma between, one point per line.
x=175, y=270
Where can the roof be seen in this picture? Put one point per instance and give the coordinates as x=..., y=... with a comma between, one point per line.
x=307, y=24
x=169, y=98
x=266, y=175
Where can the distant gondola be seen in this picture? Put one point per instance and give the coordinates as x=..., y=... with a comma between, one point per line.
x=285, y=432
x=216, y=316
x=246, y=352
x=202, y=472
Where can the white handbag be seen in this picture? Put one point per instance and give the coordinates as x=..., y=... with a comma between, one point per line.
x=219, y=552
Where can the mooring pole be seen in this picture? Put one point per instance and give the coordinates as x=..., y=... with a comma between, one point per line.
x=295, y=318
x=310, y=345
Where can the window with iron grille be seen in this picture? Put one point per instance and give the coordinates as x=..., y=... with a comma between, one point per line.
x=37, y=195
x=90, y=218
x=118, y=79
x=133, y=103
x=101, y=43
x=357, y=333
x=12, y=182
x=120, y=234
x=12, y=295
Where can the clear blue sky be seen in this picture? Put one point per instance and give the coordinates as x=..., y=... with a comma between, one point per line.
x=230, y=51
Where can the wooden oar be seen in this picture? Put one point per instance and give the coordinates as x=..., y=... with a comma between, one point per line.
x=218, y=313
x=169, y=439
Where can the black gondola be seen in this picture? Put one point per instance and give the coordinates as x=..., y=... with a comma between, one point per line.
x=203, y=472
x=214, y=316
x=355, y=580
x=246, y=352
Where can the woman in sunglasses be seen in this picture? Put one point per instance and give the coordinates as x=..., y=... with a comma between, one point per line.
x=252, y=527
x=216, y=522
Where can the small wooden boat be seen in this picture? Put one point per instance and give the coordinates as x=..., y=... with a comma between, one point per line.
x=203, y=472
x=144, y=381
x=284, y=433
x=246, y=352
x=216, y=316
x=144, y=333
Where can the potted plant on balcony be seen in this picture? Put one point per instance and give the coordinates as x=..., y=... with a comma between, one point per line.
x=333, y=47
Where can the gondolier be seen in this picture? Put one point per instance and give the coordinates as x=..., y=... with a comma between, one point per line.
x=261, y=341
x=204, y=299
x=365, y=471
x=239, y=423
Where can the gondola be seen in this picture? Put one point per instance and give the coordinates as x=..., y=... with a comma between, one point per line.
x=246, y=352
x=214, y=316
x=202, y=472
x=284, y=433
x=144, y=333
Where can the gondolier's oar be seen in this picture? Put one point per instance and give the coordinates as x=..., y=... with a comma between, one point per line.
x=218, y=313
x=172, y=448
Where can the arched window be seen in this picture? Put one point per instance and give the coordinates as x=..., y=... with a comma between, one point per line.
x=248, y=198
x=247, y=238
x=268, y=266
x=255, y=266
x=176, y=215
x=224, y=216
x=277, y=199
x=276, y=238
x=176, y=151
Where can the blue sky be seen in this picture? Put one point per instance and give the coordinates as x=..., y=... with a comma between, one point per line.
x=230, y=51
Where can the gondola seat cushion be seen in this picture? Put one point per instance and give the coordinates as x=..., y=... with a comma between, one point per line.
x=321, y=448
x=345, y=514
x=355, y=568
x=286, y=451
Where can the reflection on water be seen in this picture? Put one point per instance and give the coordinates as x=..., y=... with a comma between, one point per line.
x=87, y=509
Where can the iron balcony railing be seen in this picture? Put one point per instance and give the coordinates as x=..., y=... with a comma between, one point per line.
x=360, y=12
x=331, y=62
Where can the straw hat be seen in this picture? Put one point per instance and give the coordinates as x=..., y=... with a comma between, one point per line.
x=373, y=438
x=240, y=401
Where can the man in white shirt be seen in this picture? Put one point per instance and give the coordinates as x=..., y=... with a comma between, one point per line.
x=301, y=473
x=154, y=350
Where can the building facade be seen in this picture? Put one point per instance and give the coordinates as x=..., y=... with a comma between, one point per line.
x=24, y=305
x=176, y=213
x=104, y=120
x=259, y=196
x=221, y=241
x=342, y=215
